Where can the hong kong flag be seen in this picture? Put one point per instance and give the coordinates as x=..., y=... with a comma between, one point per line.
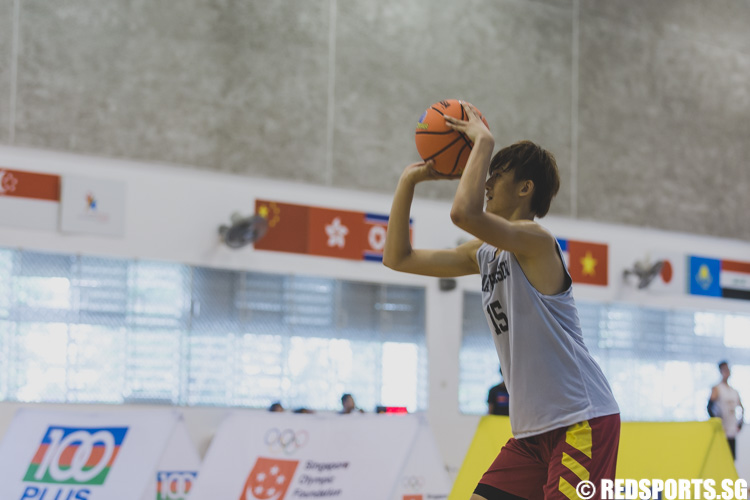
x=269, y=479
x=337, y=233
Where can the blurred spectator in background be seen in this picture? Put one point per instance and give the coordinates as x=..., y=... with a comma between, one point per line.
x=498, y=399
x=725, y=403
x=348, y=405
x=276, y=407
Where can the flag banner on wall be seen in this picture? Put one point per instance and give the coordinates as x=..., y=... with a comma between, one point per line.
x=322, y=231
x=719, y=278
x=29, y=200
x=81, y=455
x=671, y=278
x=424, y=475
x=92, y=206
x=587, y=262
x=278, y=456
x=178, y=468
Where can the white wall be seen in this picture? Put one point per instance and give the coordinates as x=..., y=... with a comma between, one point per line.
x=173, y=214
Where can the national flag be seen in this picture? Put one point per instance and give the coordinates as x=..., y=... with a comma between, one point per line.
x=671, y=277
x=587, y=262
x=29, y=200
x=735, y=279
x=704, y=276
x=337, y=233
x=31, y=185
x=322, y=231
x=287, y=226
x=376, y=226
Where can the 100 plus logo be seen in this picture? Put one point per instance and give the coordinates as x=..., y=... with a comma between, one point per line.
x=76, y=456
x=174, y=485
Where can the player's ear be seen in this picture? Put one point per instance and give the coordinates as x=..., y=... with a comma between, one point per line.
x=526, y=188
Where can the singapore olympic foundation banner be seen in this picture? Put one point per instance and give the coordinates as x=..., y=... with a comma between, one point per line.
x=69, y=455
x=277, y=456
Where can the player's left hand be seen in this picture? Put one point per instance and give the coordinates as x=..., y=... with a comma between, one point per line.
x=473, y=128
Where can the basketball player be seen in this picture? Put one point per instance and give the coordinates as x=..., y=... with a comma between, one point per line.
x=565, y=421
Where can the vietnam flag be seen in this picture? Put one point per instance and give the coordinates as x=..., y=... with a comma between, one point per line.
x=587, y=262
x=288, y=226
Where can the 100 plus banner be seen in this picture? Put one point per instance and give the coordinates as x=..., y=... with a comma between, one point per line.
x=68, y=455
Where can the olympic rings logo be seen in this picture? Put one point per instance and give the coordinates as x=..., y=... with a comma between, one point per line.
x=412, y=483
x=287, y=440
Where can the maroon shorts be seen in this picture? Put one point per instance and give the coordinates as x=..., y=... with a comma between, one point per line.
x=550, y=465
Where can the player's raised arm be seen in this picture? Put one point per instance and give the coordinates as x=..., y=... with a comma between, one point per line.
x=399, y=254
x=508, y=221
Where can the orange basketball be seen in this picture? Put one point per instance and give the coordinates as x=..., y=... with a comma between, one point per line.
x=436, y=141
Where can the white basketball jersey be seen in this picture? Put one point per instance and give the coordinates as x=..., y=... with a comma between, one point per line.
x=728, y=401
x=551, y=378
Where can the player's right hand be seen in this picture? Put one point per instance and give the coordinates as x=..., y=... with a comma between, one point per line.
x=423, y=171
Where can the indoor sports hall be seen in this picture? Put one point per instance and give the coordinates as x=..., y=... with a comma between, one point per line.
x=196, y=197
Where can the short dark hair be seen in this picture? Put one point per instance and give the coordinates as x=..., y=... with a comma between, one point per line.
x=345, y=396
x=723, y=363
x=530, y=161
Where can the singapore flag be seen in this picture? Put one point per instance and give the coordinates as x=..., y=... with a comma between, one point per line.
x=29, y=200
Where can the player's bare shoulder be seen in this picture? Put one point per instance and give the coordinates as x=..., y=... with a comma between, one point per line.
x=533, y=227
x=542, y=264
x=469, y=249
x=540, y=242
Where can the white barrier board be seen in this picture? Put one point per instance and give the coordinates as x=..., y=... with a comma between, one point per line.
x=279, y=456
x=68, y=455
x=424, y=476
x=177, y=470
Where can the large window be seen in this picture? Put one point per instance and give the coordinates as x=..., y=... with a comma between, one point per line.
x=89, y=329
x=660, y=363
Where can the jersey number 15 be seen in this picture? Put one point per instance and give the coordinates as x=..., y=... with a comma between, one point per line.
x=498, y=317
